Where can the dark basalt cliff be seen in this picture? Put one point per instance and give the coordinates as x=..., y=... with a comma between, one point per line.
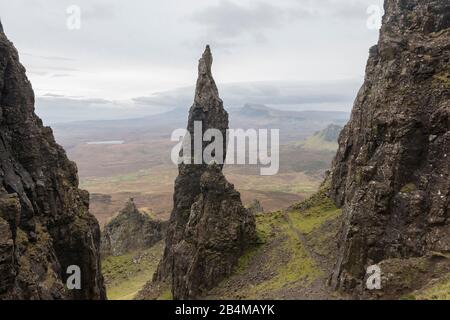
x=391, y=172
x=45, y=225
x=209, y=228
x=131, y=230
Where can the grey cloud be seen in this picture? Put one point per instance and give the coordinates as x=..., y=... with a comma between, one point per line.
x=339, y=93
x=53, y=95
x=54, y=108
x=349, y=9
x=100, y=11
x=174, y=98
x=53, y=58
x=228, y=19
x=230, y=24
x=60, y=75
x=52, y=72
x=301, y=40
x=353, y=10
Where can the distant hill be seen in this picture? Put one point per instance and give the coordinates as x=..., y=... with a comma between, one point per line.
x=330, y=133
x=325, y=139
x=293, y=125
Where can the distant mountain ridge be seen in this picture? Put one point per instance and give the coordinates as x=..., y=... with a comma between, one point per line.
x=293, y=125
x=325, y=139
x=330, y=133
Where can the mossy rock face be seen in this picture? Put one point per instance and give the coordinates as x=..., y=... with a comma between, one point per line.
x=6, y=256
x=408, y=188
x=442, y=77
x=437, y=289
x=412, y=278
x=165, y=295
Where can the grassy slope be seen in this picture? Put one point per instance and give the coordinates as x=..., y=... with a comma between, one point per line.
x=126, y=275
x=286, y=264
x=439, y=290
x=317, y=143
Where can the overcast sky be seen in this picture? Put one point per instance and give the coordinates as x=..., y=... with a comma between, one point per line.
x=140, y=56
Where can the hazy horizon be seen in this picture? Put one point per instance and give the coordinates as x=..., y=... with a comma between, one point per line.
x=130, y=61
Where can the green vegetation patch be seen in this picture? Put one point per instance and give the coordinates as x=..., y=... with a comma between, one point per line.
x=291, y=262
x=408, y=188
x=440, y=290
x=127, y=274
x=166, y=295
x=318, y=143
x=306, y=222
x=443, y=77
x=314, y=212
x=266, y=225
x=280, y=259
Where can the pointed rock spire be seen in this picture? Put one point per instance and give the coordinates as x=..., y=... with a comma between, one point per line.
x=1, y=26
x=202, y=246
x=208, y=107
x=206, y=93
x=205, y=62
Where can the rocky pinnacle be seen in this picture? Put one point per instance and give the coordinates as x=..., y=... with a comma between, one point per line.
x=209, y=228
x=131, y=230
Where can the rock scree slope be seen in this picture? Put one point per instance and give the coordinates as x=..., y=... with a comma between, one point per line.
x=391, y=172
x=209, y=227
x=45, y=225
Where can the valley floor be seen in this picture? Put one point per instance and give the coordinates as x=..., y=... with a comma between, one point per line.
x=292, y=260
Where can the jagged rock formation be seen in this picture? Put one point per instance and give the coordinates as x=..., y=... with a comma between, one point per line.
x=131, y=230
x=45, y=225
x=209, y=228
x=391, y=173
